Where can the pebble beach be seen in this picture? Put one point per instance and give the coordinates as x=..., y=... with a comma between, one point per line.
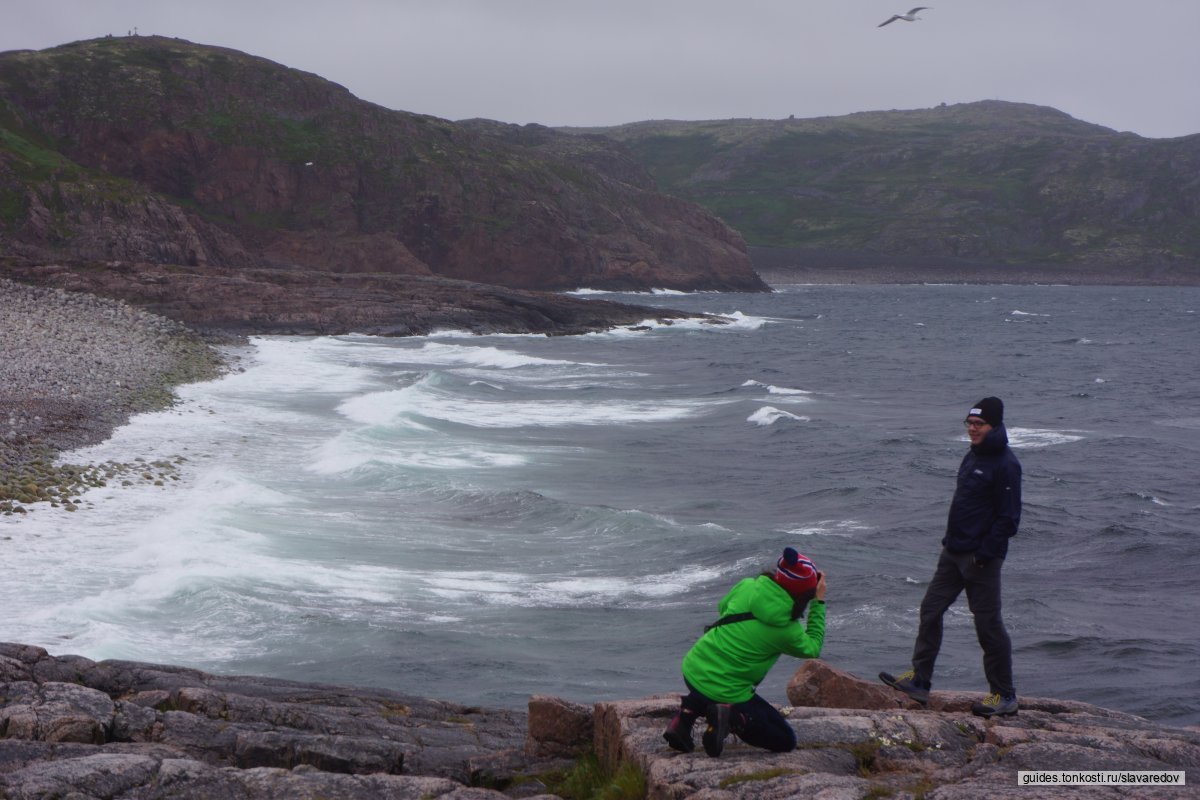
x=73, y=367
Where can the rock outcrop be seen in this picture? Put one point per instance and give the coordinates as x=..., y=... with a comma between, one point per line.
x=858, y=739
x=273, y=301
x=71, y=727
x=148, y=149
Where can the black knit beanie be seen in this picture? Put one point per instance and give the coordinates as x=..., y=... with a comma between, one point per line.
x=991, y=409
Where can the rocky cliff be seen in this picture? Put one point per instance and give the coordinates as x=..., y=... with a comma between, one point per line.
x=155, y=150
x=984, y=190
x=120, y=730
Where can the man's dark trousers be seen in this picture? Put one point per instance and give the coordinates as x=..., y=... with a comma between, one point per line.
x=955, y=572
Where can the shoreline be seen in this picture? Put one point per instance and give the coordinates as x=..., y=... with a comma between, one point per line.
x=884, y=276
x=75, y=367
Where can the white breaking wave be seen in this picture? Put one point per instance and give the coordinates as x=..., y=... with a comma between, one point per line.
x=831, y=527
x=1155, y=499
x=776, y=389
x=744, y=322
x=401, y=405
x=278, y=364
x=382, y=350
x=469, y=356
x=1032, y=437
x=735, y=321
x=533, y=591
x=769, y=415
x=1189, y=423
x=348, y=452
x=168, y=544
x=1018, y=313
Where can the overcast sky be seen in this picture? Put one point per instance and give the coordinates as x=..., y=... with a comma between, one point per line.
x=1131, y=66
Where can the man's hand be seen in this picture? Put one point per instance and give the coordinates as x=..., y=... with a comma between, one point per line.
x=821, y=586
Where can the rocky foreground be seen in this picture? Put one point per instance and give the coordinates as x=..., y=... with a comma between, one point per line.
x=118, y=730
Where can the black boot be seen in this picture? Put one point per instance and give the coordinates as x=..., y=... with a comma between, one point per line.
x=679, y=731
x=720, y=716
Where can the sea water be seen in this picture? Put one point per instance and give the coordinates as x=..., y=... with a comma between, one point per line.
x=479, y=519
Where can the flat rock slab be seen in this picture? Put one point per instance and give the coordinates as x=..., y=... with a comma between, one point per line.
x=896, y=751
x=120, y=730
x=71, y=727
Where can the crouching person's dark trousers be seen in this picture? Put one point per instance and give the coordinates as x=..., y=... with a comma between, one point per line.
x=956, y=572
x=756, y=722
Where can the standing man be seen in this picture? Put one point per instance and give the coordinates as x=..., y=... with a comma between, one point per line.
x=984, y=515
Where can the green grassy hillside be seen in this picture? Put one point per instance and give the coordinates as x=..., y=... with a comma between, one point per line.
x=993, y=181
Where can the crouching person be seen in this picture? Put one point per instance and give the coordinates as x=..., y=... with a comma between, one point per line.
x=760, y=620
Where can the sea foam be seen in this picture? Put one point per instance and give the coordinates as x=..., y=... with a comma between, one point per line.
x=421, y=401
x=781, y=390
x=769, y=415
x=831, y=527
x=1030, y=438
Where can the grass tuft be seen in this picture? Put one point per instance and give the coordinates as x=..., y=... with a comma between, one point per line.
x=589, y=780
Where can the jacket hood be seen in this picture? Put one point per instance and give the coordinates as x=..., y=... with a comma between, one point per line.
x=770, y=603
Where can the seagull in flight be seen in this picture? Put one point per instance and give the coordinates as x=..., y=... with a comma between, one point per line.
x=911, y=16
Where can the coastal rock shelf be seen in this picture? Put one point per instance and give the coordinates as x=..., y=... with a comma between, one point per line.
x=73, y=727
x=117, y=729
x=859, y=739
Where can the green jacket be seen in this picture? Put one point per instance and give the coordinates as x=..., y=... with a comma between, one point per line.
x=728, y=662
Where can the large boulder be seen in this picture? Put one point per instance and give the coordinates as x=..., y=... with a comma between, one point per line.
x=557, y=727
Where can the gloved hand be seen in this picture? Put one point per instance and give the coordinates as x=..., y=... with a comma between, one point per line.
x=982, y=561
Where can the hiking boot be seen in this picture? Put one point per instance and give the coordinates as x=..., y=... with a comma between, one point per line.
x=718, y=716
x=679, y=731
x=908, y=683
x=995, y=705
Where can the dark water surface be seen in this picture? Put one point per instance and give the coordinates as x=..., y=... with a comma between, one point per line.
x=485, y=518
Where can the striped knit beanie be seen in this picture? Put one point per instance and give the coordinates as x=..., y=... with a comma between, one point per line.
x=795, y=573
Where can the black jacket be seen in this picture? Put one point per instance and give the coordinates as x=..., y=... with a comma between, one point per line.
x=986, y=508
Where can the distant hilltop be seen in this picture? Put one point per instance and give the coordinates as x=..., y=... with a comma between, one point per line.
x=156, y=151
x=984, y=191
x=153, y=150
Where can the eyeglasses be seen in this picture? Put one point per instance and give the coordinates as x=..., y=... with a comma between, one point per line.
x=970, y=423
